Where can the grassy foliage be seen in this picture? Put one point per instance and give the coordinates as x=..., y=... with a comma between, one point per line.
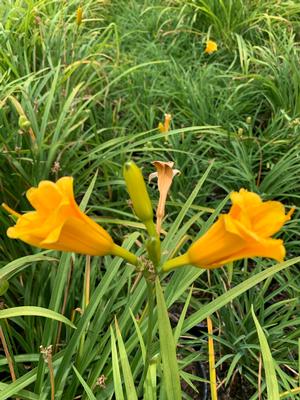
x=76, y=99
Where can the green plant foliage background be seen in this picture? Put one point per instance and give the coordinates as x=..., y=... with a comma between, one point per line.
x=92, y=97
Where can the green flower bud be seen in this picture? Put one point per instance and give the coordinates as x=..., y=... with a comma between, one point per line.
x=138, y=192
x=24, y=123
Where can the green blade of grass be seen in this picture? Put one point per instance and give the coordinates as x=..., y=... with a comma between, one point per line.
x=96, y=298
x=15, y=387
x=225, y=298
x=24, y=394
x=116, y=369
x=49, y=103
x=139, y=335
x=88, y=193
x=150, y=381
x=167, y=348
x=182, y=317
x=175, y=226
x=34, y=312
x=22, y=358
x=87, y=389
x=268, y=362
x=286, y=394
x=127, y=374
x=50, y=327
x=18, y=265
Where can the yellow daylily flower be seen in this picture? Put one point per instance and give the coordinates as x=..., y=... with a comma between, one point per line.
x=244, y=232
x=165, y=127
x=58, y=223
x=211, y=47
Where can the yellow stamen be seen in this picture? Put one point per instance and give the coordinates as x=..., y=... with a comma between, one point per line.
x=10, y=210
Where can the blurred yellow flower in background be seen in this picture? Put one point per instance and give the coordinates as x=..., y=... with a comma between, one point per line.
x=79, y=13
x=165, y=127
x=244, y=232
x=211, y=47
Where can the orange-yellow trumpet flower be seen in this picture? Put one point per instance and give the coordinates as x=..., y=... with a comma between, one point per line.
x=58, y=223
x=244, y=232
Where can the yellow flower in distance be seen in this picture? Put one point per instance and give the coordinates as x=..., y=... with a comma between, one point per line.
x=244, y=232
x=79, y=13
x=58, y=223
x=211, y=47
x=165, y=127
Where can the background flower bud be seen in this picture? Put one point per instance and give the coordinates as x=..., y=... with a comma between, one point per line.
x=24, y=123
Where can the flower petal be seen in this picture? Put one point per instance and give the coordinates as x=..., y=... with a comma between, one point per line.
x=65, y=184
x=244, y=205
x=215, y=245
x=45, y=197
x=269, y=218
x=242, y=233
x=270, y=248
x=58, y=223
x=75, y=236
x=263, y=218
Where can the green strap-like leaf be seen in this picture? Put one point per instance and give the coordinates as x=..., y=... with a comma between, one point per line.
x=178, y=329
x=87, y=195
x=167, y=348
x=268, y=362
x=18, y=265
x=116, y=368
x=25, y=394
x=176, y=224
x=34, y=312
x=225, y=298
x=86, y=387
x=127, y=374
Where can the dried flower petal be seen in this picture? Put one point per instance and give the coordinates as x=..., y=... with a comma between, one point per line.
x=165, y=174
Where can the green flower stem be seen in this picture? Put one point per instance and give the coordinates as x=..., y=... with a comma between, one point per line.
x=151, y=228
x=176, y=262
x=153, y=249
x=85, y=302
x=123, y=253
x=153, y=243
x=150, y=304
